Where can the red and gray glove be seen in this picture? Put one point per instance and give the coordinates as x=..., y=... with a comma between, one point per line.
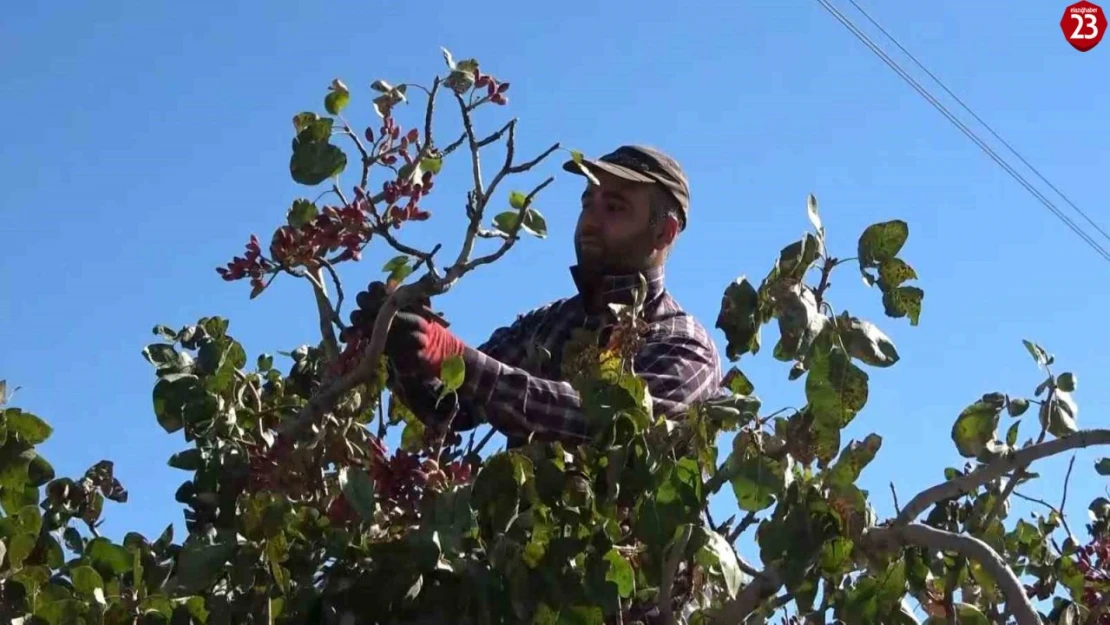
x=418, y=343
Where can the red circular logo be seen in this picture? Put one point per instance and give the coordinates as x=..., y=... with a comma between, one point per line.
x=1083, y=25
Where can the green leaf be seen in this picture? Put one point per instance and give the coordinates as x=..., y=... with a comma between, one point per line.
x=975, y=427
x=811, y=212
x=1017, y=406
x=313, y=162
x=453, y=373
x=893, y=272
x=109, y=558
x=853, y=459
x=719, y=559
x=39, y=471
x=19, y=547
x=881, y=241
x=836, y=388
x=188, y=460
x=836, y=556
x=1058, y=413
x=412, y=437
x=395, y=263
x=737, y=382
x=517, y=200
x=86, y=580
x=620, y=573
x=902, y=302
x=434, y=165
x=739, y=318
x=866, y=342
x=199, y=563
x=1102, y=467
x=534, y=223
x=1038, y=352
x=27, y=426
x=1012, y=434
x=337, y=98
x=358, y=490
x=1066, y=382
x=800, y=322
x=3, y=392
x=301, y=212
x=756, y=480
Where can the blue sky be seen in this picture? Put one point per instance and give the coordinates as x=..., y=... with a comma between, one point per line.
x=146, y=143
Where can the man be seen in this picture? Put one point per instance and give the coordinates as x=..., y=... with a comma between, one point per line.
x=628, y=224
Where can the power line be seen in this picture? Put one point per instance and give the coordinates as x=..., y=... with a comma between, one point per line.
x=979, y=119
x=847, y=23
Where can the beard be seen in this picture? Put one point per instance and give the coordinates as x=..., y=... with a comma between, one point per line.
x=629, y=255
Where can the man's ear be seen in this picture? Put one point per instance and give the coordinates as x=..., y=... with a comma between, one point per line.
x=666, y=233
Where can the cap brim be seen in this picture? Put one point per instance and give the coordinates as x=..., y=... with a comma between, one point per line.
x=621, y=172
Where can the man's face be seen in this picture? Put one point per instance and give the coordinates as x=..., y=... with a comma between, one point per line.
x=615, y=233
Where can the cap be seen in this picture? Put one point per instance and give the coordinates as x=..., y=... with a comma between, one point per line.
x=642, y=164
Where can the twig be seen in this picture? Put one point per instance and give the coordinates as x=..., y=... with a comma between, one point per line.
x=894, y=493
x=428, y=114
x=670, y=568
x=367, y=161
x=497, y=135
x=1051, y=507
x=826, y=271
x=482, y=443
x=514, y=235
x=996, y=508
x=899, y=536
x=1064, y=498
x=986, y=473
x=744, y=524
x=381, y=418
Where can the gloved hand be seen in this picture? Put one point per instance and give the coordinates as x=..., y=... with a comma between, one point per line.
x=418, y=341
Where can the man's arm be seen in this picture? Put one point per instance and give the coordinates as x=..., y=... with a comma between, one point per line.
x=679, y=365
x=507, y=345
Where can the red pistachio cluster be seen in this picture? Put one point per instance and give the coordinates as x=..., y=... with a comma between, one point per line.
x=494, y=90
x=1093, y=560
x=252, y=265
x=332, y=229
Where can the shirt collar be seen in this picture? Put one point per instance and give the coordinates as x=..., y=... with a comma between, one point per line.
x=598, y=291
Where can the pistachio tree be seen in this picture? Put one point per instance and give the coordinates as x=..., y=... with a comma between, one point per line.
x=296, y=511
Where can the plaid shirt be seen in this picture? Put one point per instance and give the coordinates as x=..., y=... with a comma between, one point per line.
x=520, y=395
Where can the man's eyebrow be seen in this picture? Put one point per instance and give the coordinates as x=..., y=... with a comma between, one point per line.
x=612, y=196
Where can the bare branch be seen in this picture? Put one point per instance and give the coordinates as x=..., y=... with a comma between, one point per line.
x=745, y=523
x=496, y=136
x=338, y=294
x=899, y=536
x=429, y=113
x=894, y=493
x=986, y=473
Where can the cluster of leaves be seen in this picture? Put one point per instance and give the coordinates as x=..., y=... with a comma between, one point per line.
x=328, y=525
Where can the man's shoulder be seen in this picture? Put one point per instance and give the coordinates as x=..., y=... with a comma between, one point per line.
x=673, y=319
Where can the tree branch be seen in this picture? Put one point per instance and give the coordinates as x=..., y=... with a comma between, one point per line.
x=899, y=536
x=670, y=568
x=986, y=473
x=763, y=586
x=515, y=234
